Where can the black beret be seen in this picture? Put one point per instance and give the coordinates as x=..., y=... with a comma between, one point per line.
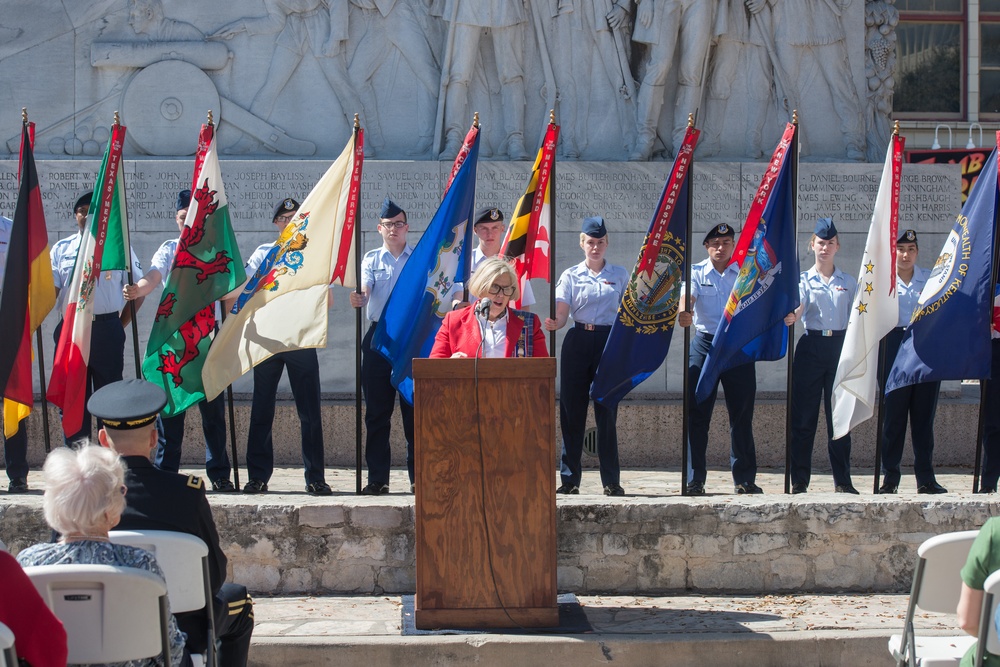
x=908, y=236
x=489, y=214
x=84, y=200
x=721, y=229
x=183, y=199
x=389, y=209
x=825, y=229
x=594, y=227
x=286, y=205
x=127, y=404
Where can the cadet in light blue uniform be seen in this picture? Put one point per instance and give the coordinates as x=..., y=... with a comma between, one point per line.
x=380, y=268
x=15, y=448
x=712, y=282
x=107, y=337
x=917, y=401
x=826, y=294
x=590, y=292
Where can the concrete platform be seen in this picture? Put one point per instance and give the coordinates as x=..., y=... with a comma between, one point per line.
x=828, y=630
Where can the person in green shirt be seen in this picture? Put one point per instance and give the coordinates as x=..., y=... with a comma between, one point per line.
x=983, y=560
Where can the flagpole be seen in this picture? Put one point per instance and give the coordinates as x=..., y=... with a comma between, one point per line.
x=791, y=327
x=552, y=242
x=358, y=335
x=128, y=269
x=880, y=416
x=685, y=404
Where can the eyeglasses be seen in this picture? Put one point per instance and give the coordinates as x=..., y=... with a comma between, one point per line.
x=285, y=218
x=398, y=224
x=497, y=289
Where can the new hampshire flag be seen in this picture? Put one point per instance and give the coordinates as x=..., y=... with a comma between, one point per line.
x=640, y=336
x=767, y=287
x=949, y=335
x=414, y=311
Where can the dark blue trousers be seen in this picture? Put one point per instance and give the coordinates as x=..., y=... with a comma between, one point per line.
x=581, y=353
x=15, y=454
x=213, y=425
x=106, y=365
x=991, y=427
x=380, y=401
x=303, y=376
x=813, y=370
x=916, y=403
x=740, y=384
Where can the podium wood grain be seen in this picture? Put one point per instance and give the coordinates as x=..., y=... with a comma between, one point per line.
x=485, y=543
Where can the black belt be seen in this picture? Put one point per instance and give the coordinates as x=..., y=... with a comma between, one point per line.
x=106, y=316
x=826, y=333
x=707, y=336
x=592, y=327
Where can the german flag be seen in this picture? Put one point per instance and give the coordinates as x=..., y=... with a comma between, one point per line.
x=29, y=291
x=529, y=234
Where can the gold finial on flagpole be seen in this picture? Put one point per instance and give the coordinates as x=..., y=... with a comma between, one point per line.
x=118, y=120
x=552, y=116
x=211, y=120
x=690, y=120
x=24, y=115
x=795, y=116
x=357, y=121
x=895, y=128
x=475, y=119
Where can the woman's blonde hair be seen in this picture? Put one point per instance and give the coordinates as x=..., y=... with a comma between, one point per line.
x=488, y=272
x=81, y=485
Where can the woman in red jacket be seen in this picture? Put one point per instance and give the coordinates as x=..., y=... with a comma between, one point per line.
x=489, y=328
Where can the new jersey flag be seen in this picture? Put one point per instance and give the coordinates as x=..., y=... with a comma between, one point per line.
x=949, y=334
x=767, y=287
x=207, y=266
x=876, y=307
x=284, y=304
x=640, y=336
x=414, y=311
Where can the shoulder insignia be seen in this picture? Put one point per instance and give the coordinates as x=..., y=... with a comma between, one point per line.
x=195, y=482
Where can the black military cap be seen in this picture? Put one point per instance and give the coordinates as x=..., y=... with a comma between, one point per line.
x=389, y=209
x=183, y=199
x=127, y=404
x=84, y=200
x=722, y=229
x=594, y=227
x=488, y=214
x=908, y=236
x=825, y=229
x=286, y=205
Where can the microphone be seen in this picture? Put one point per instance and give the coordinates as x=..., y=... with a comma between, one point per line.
x=483, y=307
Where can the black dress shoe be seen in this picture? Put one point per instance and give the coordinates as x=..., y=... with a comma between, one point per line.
x=696, y=489
x=987, y=489
x=799, y=488
x=223, y=486
x=932, y=487
x=375, y=489
x=748, y=488
x=846, y=488
x=255, y=486
x=18, y=485
x=569, y=490
x=614, y=490
x=887, y=490
x=319, y=489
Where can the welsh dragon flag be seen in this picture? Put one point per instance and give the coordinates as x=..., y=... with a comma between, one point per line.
x=102, y=248
x=207, y=266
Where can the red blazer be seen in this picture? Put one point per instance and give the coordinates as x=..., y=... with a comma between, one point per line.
x=460, y=333
x=39, y=636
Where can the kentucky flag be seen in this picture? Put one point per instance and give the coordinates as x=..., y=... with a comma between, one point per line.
x=640, y=336
x=767, y=287
x=949, y=334
x=414, y=311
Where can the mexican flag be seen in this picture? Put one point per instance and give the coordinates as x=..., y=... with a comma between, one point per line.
x=207, y=266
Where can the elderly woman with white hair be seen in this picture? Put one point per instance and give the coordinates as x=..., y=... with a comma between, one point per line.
x=84, y=499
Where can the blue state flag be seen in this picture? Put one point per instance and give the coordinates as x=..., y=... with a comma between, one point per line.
x=949, y=333
x=640, y=336
x=414, y=311
x=767, y=287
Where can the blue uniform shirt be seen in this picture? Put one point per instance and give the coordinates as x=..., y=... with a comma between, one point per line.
x=711, y=291
x=826, y=305
x=108, y=296
x=379, y=272
x=908, y=295
x=163, y=260
x=592, y=298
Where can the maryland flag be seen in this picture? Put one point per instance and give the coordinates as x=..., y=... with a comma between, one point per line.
x=28, y=292
x=207, y=266
x=529, y=234
x=102, y=248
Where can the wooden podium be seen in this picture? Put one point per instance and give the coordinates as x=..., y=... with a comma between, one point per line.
x=485, y=544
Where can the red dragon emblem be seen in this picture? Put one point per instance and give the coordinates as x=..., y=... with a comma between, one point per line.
x=192, y=332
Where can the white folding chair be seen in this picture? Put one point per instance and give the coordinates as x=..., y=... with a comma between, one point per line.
x=110, y=613
x=184, y=560
x=8, y=656
x=937, y=585
x=987, y=639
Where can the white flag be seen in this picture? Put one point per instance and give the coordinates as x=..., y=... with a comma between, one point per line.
x=876, y=307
